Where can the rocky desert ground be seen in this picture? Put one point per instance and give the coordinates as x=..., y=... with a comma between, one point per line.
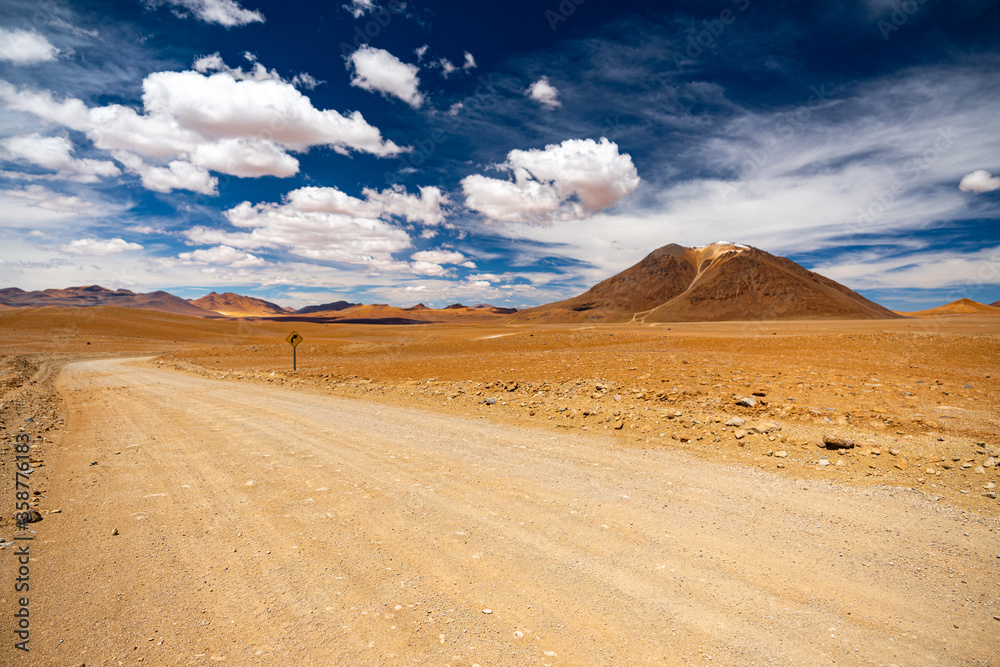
x=796, y=492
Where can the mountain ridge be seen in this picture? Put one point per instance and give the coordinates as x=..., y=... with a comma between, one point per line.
x=722, y=281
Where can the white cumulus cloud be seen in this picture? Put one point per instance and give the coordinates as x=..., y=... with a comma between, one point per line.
x=567, y=181
x=177, y=175
x=979, y=181
x=98, y=247
x=378, y=70
x=25, y=47
x=544, y=93
x=438, y=256
x=224, y=255
x=226, y=13
x=243, y=124
x=55, y=153
x=325, y=223
x=40, y=197
x=257, y=72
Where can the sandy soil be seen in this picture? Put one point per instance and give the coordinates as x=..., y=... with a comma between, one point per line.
x=267, y=525
x=580, y=482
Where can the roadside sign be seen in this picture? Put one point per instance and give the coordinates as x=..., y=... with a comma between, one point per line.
x=294, y=339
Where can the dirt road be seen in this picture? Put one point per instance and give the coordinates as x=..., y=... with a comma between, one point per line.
x=261, y=525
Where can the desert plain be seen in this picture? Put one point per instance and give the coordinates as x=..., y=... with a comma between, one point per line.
x=501, y=493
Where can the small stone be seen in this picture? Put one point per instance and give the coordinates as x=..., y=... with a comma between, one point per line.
x=518, y=634
x=740, y=434
x=487, y=611
x=30, y=420
x=491, y=401
x=894, y=452
x=823, y=462
x=93, y=463
x=782, y=454
x=619, y=425
x=114, y=532
x=735, y=421
x=56, y=512
x=979, y=470
x=833, y=442
x=747, y=402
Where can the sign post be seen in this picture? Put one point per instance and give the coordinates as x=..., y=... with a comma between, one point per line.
x=294, y=339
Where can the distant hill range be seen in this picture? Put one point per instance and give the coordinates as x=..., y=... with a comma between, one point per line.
x=718, y=282
x=232, y=305
x=95, y=295
x=959, y=307
x=235, y=305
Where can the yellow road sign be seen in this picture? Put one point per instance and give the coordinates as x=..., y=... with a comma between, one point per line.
x=294, y=339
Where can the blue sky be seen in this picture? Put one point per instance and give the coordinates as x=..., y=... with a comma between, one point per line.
x=513, y=153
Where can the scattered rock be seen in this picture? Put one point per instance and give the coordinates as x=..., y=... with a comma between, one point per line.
x=491, y=401
x=748, y=402
x=782, y=454
x=114, y=532
x=619, y=425
x=518, y=634
x=487, y=611
x=735, y=421
x=833, y=442
x=740, y=434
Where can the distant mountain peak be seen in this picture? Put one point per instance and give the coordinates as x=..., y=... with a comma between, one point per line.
x=722, y=281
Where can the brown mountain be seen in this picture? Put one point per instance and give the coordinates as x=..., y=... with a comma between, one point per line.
x=236, y=305
x=325, y=308
x=995, y=304
x=717, y=282
x=95, y=295
x=959, y=307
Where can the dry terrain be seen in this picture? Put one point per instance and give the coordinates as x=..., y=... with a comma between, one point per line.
x=504, y=494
